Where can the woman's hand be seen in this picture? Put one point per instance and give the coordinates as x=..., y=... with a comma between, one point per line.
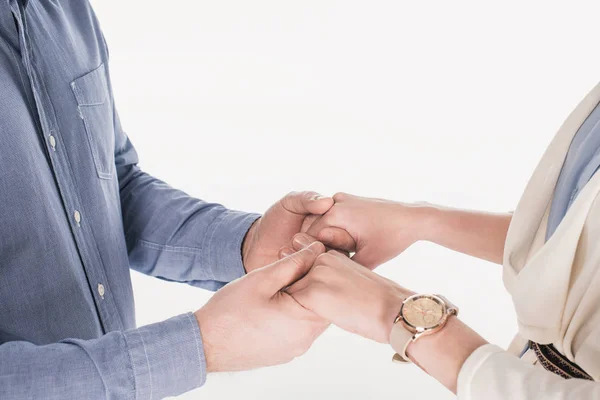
x=350, y=296
x=360, y=301
x=380, y=229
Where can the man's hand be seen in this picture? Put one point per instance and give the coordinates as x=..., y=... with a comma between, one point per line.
x=252, y=323
x=278, y=226
x=378, y=230
x=350, y=296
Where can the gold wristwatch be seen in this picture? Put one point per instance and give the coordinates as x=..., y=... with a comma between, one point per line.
x=420, y=315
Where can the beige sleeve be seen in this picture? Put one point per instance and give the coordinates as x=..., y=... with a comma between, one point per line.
x=491, y=373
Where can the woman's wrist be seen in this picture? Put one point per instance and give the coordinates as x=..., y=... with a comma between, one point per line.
x=393, y=303
x=440, y=354
x=475, y=233
x=424, y=219
x=443, y=353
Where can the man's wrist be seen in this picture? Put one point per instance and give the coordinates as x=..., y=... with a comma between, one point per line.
x=206, y=334
x=248, y=242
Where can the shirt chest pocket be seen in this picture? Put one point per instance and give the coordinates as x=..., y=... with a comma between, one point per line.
x=95, y=109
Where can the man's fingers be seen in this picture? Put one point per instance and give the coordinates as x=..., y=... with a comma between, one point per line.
x=326, y=230
x=330, y=236
x=302, y=240
x=298, y=286
x=286, y=252
x=304, y=203
x=337, y=238
x=309, y=220
x=284, y=272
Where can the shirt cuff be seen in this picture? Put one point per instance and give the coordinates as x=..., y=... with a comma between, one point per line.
x=224, y=250
x=469, y=370
x=167, y=357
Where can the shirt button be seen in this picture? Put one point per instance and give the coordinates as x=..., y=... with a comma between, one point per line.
x=101, y=290
x=52, y=140
x=77, y=217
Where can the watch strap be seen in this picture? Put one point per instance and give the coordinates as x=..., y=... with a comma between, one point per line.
x=400, y=338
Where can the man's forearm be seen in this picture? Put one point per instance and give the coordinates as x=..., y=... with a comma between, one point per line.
x=175, y=236
x=154, y=361
x=476, y=233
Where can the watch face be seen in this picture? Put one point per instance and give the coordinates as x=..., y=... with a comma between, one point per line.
x=423, y=311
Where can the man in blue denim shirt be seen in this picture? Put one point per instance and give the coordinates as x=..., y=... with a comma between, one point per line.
x=77, y=212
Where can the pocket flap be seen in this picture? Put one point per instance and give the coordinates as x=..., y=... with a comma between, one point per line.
x=91, y=88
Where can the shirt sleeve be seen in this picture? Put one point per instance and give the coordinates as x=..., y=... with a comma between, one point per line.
x=172, y=235
x=493, y=374
x=151, y=362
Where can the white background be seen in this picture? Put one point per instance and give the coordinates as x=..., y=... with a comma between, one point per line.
x=446, y=101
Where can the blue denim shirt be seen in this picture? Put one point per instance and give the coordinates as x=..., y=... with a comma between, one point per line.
x=580, y=165
x=76, y=213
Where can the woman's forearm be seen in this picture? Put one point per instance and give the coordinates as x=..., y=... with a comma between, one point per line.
x=382, y=229
x=476, y=233
x=491, y=374
x=443, y=354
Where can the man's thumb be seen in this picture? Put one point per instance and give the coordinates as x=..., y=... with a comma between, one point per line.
x=288, y=270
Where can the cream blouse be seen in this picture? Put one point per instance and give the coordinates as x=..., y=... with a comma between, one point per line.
x=555, y=286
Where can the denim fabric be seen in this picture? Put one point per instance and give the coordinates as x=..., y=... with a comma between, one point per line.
x=77, y=212
x=580, y=165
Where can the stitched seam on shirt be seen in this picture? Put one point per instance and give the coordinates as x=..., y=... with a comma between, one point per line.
x=93, y=149
x=80, y=103
x=72, y=181
x=135, y=385
x=197, y=345
x=95, y=365
x=12, y=52
x=167, y=248
x=82, y=209
x=103, y=276
x=101, y=271
x=147, y=362
x=79, y=95
x=219, y=221
x=93, y=104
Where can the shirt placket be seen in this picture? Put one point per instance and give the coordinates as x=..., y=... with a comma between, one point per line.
x=62, y=171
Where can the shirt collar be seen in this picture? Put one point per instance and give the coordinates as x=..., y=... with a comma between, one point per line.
x=21, y=2
x=16, y=2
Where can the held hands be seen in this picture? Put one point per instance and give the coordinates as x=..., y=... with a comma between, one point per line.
x=350, y=296
x=378, y=229
x=341, y=290
x=252, y=323
x=289, y=216
x=358, y=300
x=275, y=312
